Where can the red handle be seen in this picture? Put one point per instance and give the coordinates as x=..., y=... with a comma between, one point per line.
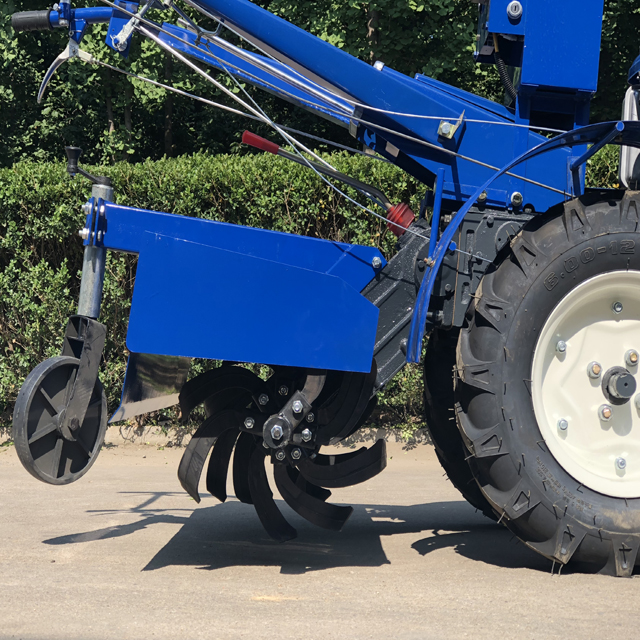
x=260, y=143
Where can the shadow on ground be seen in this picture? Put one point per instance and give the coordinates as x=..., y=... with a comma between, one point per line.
x=229, y=534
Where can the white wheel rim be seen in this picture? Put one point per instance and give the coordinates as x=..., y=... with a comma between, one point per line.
x=587, y=447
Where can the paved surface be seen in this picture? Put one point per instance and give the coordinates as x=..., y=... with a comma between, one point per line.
x=125, y=554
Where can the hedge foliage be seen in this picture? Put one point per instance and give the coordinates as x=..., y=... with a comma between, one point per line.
x=41, y=253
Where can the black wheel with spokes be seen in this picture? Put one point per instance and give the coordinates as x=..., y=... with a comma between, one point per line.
x=48, y=452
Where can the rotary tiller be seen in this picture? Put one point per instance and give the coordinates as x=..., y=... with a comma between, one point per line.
x=526, y=283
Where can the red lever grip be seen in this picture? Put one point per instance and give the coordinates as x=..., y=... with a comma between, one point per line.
x=260, y=143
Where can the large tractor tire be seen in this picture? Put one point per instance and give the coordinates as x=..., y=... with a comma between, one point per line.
x=439, y=362
x=546, y=395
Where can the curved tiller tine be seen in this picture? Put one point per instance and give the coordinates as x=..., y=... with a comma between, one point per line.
x=318, y=512
x=203, y=439
x=347, y=469
x=219, y=464
x=272, y=520
x=245, y=446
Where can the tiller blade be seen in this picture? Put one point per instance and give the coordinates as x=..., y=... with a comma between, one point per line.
x=287, y=418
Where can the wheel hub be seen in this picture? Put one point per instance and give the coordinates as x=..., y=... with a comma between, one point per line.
x=590, y=420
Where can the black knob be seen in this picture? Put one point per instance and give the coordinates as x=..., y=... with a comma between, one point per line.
x=73, y=155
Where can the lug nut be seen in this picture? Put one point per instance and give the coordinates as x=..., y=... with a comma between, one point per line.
x=563, y=425
x=376, y=263
x=631, y=358
x=280, y=455
x=605, y=412
x=617, y=307
x=296, y=454
x=621, y=463
x=249, y=422
x=306, y=435
x=311, y=417
x=561, y=346
x=263, y=399
x=277, y=432
x=283, y=391
x=297, y=406
x=594, y=370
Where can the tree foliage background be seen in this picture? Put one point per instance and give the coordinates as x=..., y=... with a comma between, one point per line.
x=113, y=117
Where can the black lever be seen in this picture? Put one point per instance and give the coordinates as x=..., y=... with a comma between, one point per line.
x=73, y=156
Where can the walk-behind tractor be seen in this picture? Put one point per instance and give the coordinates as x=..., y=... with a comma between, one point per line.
x=526, y=284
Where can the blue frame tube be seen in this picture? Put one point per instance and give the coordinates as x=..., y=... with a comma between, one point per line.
x=620, y=133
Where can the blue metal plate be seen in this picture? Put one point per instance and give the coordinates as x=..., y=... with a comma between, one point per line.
x=194, y=300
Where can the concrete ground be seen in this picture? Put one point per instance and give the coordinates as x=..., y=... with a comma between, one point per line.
x=124, y=553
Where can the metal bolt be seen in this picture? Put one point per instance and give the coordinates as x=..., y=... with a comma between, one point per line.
x=516, y=196
x=100, y=236
x=594, y=370
x=306, y=435
x=514, y=10
x=86, y=208
x=605, y=412
x=563, y=425
x=280, y=455
x=283, y=391
x=445, y=129
x=265, y=445
x=263, y=399
x=296, y=454
x=102, y=210
x=379, y=65
x=621, y=463
x=376, y=263
x=631, y=358
x=249, y=422
x=84, y=233
x=482, y=197
x=277, y=432
x=561, y=346
x=297, y=406
x=311, y=417
x=617, y=307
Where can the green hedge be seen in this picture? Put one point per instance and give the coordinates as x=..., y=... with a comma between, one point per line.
x=41, y=253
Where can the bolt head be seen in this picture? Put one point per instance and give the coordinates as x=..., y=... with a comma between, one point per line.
x=86, y=208
x=483, y=197
x=594, y=370
x=249, y=423
x=265, y=445
x=297, y=406
x=445, y=128
x=621, y=463
x=277, y=432
x=84, y=233
x=311, y=417
x=563, y=425
x=514, y=10
x=631, y=358
x=516, y=199
x=561, y=346
x=376, y=263
x=306, y=435
x=617, y=307
x=283, y=390
x=605, y=412
x=280, y=455
x=263, y=399
x=379, y=65
x=296, y=454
